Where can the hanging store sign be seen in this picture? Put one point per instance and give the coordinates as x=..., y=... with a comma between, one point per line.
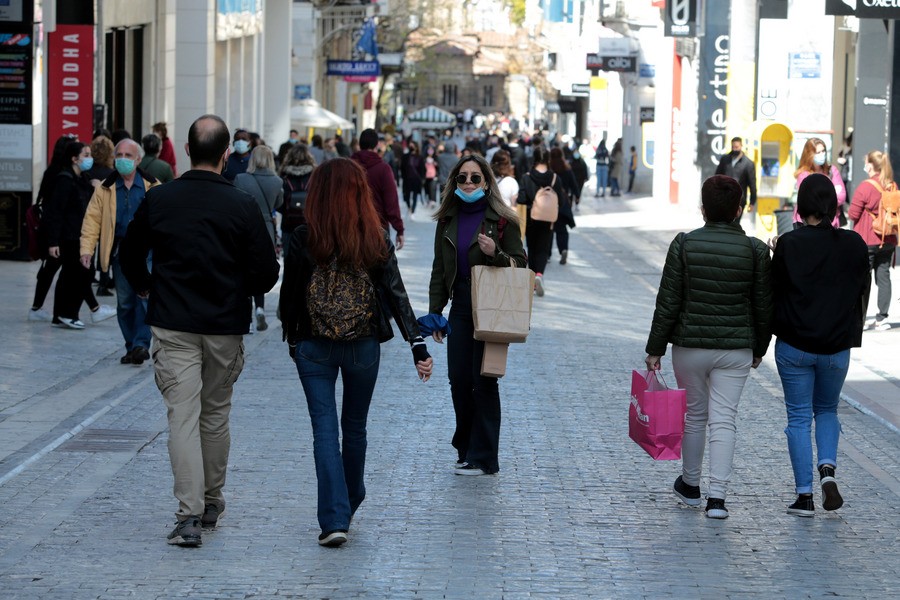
x=581, y=89
x=712, y=89
x=70, y=82
x=354, y=68
x=681, y=18
x=616, y=64
x=864, y=9
x=648, y=114
x=15, y=78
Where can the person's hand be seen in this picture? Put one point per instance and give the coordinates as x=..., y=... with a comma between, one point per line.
x=143, y=295
x=652, y=362
x=423, y=367
x=772, y=242
x=487, y=245
x=438, y=336
x=86, y=261
x=750, y=208
x=757, y=360
x=53, y=251
x=399, y=243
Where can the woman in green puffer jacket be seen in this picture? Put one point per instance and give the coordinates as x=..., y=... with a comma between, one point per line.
x=715, y=307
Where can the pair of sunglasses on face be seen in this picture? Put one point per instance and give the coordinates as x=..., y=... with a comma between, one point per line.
x=461, y=179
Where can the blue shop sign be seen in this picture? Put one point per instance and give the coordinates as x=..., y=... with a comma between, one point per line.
x=302, y=92
x=369, y=68
x=805, y=65
x=646, y=70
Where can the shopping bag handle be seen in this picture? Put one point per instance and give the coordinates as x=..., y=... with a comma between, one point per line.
x=658, y=375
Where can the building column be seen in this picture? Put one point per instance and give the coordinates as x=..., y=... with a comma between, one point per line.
x=195, y=37
x=873, y=85
x=276, y=67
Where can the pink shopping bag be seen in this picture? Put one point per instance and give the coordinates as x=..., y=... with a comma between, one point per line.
x=656, y=415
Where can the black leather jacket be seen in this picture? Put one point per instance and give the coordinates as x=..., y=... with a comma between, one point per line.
x=391, y=296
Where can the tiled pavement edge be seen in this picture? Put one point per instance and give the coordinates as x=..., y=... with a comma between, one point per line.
x=577, y=510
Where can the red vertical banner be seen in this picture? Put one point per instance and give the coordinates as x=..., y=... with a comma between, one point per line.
x=70, y=83
x=677, y=130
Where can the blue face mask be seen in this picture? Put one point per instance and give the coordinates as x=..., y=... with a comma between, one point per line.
x=125, y=166
x=86, y=163
x=241, y=146
x=470, y=198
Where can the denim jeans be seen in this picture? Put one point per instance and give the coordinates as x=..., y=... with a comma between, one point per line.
x=476, y=398
x=131, y=311
x=812, y=389
x=602, y=179
x=339, y=467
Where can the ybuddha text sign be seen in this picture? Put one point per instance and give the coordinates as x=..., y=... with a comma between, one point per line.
x=354, y=68
x=70, y=77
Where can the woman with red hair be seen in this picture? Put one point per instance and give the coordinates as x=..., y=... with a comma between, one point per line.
x=341, y=284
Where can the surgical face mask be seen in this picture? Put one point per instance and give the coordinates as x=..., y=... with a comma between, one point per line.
x=819, y=158
x=470, y=198
x=735, y=153
x=241, y=146
x=292, y=140
x=86, y=163
x=576, y=155
x=125, y=166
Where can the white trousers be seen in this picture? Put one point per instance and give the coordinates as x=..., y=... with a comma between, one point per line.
x=713, y=380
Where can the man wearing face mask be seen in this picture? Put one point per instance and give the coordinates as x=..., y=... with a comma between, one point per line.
x=240, y=158
x=199, y=297
x=737, y=166
x=111, y=209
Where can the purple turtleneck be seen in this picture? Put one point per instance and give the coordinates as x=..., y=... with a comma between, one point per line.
x=470, y=217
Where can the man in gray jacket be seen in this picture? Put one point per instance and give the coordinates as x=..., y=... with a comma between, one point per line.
x=446, y=160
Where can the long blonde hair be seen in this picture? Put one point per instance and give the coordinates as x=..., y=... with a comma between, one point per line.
x=495, y=200
x=261, y=159
x=881, y=163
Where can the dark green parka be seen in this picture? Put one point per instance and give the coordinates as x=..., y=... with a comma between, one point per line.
x=715, y=292
x=443, y=270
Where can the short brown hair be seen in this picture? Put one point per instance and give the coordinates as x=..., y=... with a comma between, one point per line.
x=721, y=198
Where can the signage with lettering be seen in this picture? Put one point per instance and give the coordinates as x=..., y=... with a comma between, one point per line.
x=70, y=82
x=712, y=89
x=15, y=91
x=648, y=114
x=581, y=89
x=680, y=18
x=646, y=70
x=618, y=64
x=805, y=65
x=359, y=68
x=594, y=62
x=864, y=9
x=15, y=149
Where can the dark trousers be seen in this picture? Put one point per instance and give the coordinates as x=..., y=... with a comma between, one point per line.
x=562, y=236
x=476, y=398
x=880, y=261
x=74, y=284
x=539, y=239
x=45, y=275
x=630, y=180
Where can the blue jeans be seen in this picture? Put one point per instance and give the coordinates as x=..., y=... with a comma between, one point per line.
x=812, y=389
x=339, y=468
x=131, y=311
x=602, y=179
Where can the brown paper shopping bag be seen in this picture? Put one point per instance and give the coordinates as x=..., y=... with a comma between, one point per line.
x=501, y=303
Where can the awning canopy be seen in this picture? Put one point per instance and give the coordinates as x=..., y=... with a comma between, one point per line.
x=308, y=113
x=431, y=117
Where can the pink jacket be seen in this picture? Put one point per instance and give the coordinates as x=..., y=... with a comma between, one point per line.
x=835, y=177
x=865, y=203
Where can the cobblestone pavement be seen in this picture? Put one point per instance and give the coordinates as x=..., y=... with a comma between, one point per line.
x=577, y=511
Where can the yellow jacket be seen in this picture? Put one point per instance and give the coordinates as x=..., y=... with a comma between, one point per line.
x=100, y=218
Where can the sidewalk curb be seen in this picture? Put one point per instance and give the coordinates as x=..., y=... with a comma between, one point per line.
x=869, y=412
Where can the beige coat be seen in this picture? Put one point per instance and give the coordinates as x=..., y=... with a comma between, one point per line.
x=100, y=219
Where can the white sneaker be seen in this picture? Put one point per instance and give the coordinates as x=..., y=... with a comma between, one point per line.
x=70, y=323
x=39, y=315
x=882, y=326
x=869, y=324
x=539, y=285
x=103, y=313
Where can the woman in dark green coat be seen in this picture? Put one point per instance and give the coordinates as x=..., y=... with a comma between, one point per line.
x=715, y=307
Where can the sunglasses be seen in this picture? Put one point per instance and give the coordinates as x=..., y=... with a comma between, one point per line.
x=476, y=179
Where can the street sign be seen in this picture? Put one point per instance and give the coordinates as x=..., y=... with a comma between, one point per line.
x=581, y=89
x=370, y=68
x=805, y=65
x=648, y=114
x=680, y=18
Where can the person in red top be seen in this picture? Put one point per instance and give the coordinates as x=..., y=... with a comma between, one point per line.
x=167, y=150
x=863, y=209
x=381, y=180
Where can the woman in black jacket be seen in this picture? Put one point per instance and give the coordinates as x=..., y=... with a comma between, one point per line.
x=63, y=214
x=820, y=276
x=566, y=219
x=539, y=234
x=412, y=168
x=341, y=281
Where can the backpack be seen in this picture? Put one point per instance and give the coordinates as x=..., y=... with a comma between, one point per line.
x=887, y=221
x=293, y=210
x=33, y=216
x=546, y=204
x=341, y=302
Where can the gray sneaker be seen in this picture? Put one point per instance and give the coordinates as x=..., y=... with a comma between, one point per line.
x=186, y=533
x=211, y=514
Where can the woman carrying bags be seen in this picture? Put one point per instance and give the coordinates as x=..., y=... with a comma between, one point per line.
x=341, y=284
x=474, y=227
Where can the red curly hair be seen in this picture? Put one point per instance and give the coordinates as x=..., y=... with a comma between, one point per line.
x=341, y=216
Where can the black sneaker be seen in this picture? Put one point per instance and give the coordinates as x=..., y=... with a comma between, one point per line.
x=467, y=469
x=186, y=533
x=715, y=508
x=333, y=539
x=831, y=497
x=563, y=256
x=126, y=360
x=689, y=494
x=139, y=355
x=211, y=514
x=803, y=506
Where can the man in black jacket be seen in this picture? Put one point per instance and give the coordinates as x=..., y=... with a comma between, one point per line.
x=738, y=166
x=211, y=253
